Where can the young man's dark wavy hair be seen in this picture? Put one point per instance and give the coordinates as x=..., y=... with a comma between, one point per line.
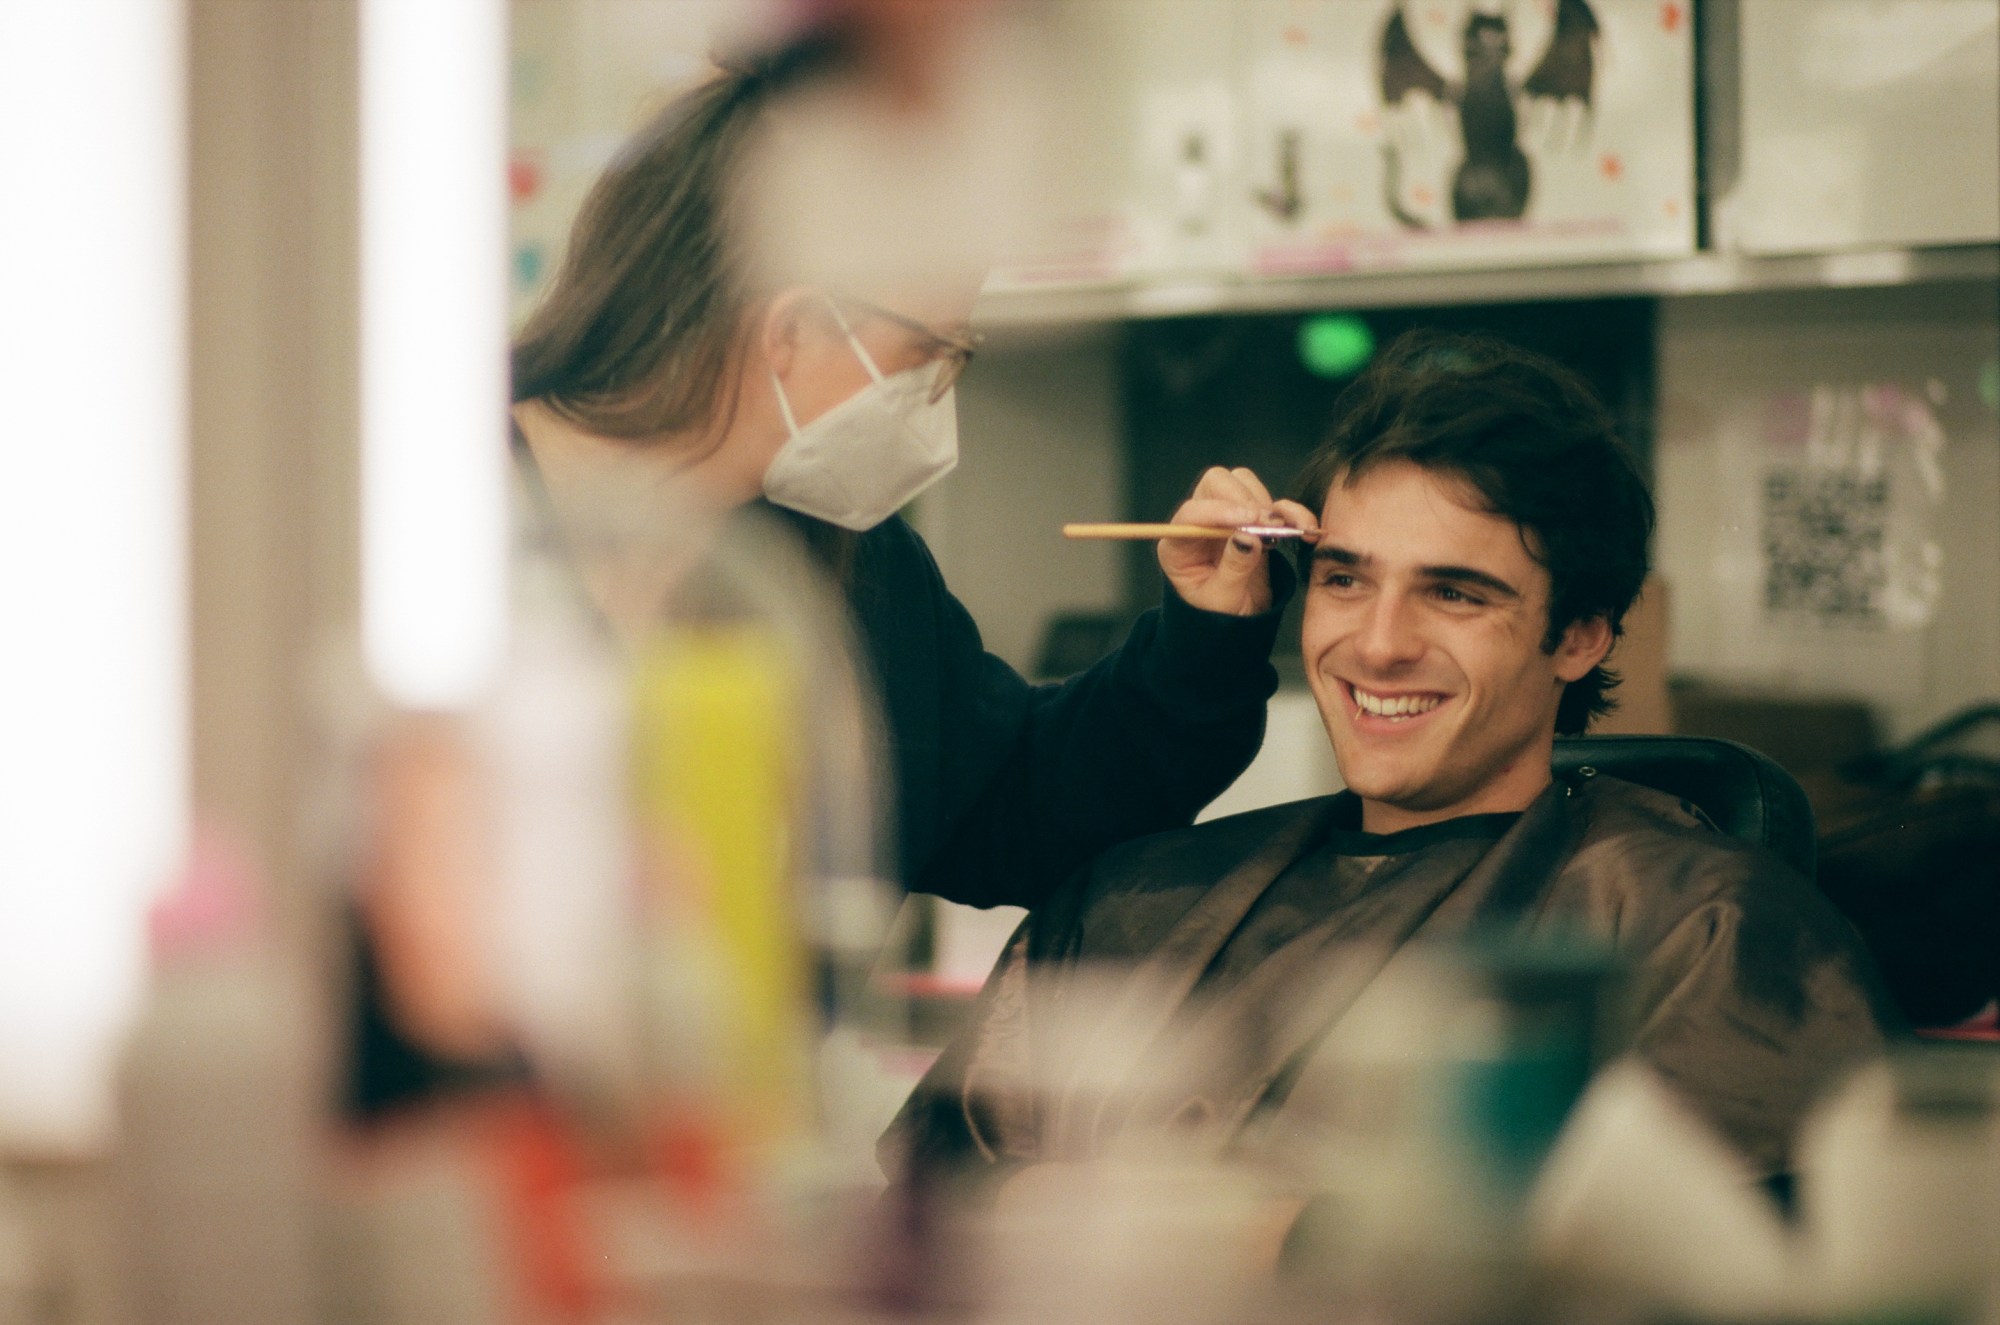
x=1531, y=442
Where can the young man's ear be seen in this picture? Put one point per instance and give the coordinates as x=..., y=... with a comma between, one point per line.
x=1584, y=644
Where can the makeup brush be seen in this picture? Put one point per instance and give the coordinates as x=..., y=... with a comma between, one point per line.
x=1270, y=533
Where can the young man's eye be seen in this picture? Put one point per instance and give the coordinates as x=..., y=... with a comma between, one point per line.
x=1453, y=594
x=1335, y=579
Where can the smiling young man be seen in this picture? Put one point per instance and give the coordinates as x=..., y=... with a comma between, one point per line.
x=1425, y=647
x=1482, y=534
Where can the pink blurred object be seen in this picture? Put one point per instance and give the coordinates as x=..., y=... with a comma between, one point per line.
x=909, y=49
x=1984, y=1025
x=212, y=907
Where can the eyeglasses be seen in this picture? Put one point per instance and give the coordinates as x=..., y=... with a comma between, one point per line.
x=953, y=351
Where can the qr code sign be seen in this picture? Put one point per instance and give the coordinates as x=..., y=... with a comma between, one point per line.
x=1823, y=543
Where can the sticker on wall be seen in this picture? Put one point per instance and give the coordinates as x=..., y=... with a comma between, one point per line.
x=1824, y=533
x=530, y=261
x=1849, y=505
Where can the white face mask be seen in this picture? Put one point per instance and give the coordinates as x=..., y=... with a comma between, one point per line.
x=856, y=464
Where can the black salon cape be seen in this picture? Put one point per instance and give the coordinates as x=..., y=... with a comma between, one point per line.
x=1004, y=788
x=1748, y=992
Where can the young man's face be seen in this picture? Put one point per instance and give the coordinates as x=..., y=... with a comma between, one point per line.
x=1424, y=622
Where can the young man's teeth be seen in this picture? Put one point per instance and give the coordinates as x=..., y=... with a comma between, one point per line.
x=1397, y=706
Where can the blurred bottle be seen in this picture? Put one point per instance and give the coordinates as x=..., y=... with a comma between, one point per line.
x=553, y=744
x=20, y=1267
x=1533, y=1035
x=722, y=948
x=217, y=1124
x=684, y=770
x=640, y=887
x=1899, y=1186
x=1438, y=1097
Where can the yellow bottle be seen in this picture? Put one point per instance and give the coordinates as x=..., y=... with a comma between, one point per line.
x=714, y=777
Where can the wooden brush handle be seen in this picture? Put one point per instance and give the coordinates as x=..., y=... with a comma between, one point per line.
x=1147, y=531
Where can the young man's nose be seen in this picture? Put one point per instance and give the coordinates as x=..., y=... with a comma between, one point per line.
x=1388, y=636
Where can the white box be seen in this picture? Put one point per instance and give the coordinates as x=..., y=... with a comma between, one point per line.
x=1866, y=124
x=1139, y=177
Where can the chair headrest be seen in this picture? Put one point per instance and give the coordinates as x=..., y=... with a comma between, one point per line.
x=1744, y=792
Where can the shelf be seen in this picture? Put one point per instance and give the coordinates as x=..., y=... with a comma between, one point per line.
x=1700, y=274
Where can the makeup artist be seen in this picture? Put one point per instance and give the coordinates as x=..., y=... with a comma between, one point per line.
x=660, y=355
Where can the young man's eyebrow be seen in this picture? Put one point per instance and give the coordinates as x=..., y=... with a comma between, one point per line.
x=1340, y=555
x=1466, y=575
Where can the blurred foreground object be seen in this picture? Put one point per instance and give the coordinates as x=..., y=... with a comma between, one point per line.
x=214, y=1169
x=715, y=707
x=1427, y=1115
x=93, y=556
x=910, y=50
x=918, y=163
x=426, y=884
x=1390, y=1186
x=1643, y=1202
x=1631, y=1207
x=1898, y=1214
x=648, y=874
x=433, y=128
x=1900, y=1188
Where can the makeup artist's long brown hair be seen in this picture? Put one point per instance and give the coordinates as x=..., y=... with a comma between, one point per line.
x=638, y=334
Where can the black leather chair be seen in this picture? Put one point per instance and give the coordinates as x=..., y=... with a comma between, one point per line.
x=1743, y=792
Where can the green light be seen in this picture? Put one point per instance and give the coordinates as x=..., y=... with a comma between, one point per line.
x=1335, y=344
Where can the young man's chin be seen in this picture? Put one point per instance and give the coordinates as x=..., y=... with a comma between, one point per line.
x=1397, y=789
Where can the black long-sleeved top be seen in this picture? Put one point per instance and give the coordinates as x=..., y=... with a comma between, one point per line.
x=1004, y=788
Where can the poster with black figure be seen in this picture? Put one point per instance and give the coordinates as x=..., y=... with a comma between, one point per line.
x=1428, y=133
x=1494, y=176
x=1222, y=138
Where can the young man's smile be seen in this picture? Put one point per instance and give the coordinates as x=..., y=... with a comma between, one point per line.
x=1396, y=708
